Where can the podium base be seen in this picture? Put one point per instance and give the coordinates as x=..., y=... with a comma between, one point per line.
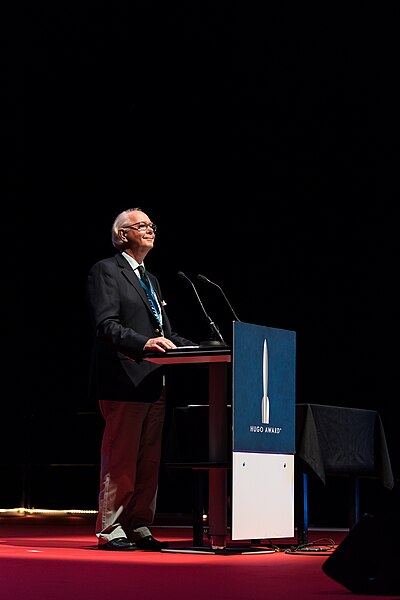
x=226, y=551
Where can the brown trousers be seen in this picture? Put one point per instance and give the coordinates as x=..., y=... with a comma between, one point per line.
x=129, y=473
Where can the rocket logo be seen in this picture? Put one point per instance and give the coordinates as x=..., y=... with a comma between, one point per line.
x=265, y=399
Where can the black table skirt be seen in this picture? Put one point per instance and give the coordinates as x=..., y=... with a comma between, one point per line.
x=334, y=440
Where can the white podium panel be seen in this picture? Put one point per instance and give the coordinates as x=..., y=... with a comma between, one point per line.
x=262, y=495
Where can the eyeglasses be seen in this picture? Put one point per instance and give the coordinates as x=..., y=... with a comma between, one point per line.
x=142, y=227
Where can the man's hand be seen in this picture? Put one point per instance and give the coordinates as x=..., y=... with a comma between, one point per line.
x=161, y=344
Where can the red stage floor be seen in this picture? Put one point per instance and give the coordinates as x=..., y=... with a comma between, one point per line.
x=54, y=559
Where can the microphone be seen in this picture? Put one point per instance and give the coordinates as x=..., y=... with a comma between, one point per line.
x=215, y=333
x=202, y=278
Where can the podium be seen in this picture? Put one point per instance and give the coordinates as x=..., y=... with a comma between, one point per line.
x=262, y=367
x=217, y=360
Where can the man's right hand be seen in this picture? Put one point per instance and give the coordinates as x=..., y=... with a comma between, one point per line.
x=160, y=344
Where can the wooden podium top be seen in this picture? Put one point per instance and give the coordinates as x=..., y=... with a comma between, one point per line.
x=191, y=354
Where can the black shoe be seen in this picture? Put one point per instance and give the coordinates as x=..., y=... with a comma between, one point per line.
x=150, y=543
x=120, y=543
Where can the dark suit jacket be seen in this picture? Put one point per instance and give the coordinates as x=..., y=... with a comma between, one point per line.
x=122, y=322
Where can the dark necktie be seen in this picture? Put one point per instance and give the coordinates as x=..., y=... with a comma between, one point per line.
x=143, y=276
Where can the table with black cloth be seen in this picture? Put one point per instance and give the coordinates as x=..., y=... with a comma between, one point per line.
x=336, y=440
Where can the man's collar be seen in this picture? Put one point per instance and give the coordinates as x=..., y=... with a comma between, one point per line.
x=134, y=264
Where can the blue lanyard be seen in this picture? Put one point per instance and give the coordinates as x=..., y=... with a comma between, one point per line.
x=153, y=302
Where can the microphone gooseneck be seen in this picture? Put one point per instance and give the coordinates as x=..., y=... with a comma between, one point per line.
x=215, y=333
x=206, y=280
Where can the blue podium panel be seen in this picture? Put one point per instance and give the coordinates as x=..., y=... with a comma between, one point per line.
x=264, y=389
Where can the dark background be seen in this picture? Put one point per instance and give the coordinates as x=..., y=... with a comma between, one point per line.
x=264, y=144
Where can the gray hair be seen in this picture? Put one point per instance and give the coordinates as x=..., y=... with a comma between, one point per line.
x=120, y=220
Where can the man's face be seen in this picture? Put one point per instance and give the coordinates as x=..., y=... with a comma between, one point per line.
x=138, y=231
